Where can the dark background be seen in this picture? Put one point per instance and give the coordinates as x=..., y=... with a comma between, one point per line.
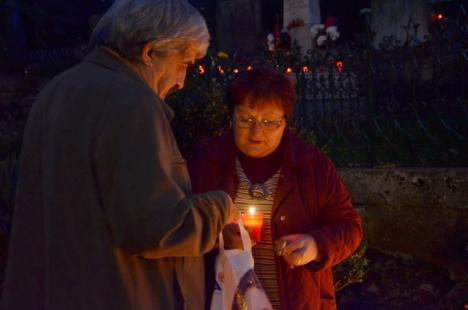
x=39, y=24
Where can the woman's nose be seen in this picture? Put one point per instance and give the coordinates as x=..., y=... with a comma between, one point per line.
x=256, y=128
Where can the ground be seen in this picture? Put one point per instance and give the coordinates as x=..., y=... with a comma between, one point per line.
x=394, y=282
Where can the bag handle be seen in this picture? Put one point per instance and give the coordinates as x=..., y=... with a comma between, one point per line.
x=246, y=242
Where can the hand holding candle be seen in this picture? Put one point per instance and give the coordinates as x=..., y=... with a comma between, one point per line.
x=253, y=222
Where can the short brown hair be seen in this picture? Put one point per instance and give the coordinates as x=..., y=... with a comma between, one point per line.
x=262, y=84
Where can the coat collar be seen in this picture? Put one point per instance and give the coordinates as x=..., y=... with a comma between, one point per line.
x=102, y=57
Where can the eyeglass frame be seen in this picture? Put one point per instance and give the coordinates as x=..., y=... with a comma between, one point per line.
x=263, y=123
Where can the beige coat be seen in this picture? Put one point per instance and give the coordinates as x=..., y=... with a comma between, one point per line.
x=104, y=218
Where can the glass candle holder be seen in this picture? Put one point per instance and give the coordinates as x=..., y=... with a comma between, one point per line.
x=253, y=223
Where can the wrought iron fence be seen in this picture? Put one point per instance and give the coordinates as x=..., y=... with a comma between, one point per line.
x=400, y=104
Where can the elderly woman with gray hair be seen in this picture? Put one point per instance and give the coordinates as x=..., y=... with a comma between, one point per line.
x=104, y=215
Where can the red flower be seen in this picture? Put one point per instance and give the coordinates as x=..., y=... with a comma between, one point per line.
x=331, y=21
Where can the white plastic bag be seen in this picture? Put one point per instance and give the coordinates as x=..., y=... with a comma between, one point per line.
x=237, y=286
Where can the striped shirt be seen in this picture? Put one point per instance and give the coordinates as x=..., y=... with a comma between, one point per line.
x=263, y=251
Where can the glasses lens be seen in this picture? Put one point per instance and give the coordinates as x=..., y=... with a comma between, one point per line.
x=245, y=122
x=270, y=124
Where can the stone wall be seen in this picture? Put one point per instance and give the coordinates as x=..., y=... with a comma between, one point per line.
x=419, y=212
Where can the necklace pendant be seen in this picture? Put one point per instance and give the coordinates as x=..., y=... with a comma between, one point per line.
x=260, y=191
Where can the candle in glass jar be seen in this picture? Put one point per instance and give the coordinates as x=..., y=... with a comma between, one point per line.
x=253, y=222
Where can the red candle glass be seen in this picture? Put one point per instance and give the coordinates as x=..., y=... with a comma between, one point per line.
x=253, y=223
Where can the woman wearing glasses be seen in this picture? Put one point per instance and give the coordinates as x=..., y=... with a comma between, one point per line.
x=309, y=222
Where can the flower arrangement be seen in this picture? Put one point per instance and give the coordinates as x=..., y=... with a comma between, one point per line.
x=323, y=34
x=281, y=40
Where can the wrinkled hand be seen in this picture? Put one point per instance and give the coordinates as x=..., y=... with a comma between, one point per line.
x=234, y=213
x=297, y=249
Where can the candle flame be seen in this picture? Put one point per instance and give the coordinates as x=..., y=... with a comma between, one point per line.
x=252, y=210
x=201, y=69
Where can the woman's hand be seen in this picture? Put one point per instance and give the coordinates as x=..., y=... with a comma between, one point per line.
x=297, y=249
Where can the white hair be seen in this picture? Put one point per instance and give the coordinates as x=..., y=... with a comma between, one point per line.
x=173, y=27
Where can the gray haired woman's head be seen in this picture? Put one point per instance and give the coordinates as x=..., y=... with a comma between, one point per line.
x=173, y=27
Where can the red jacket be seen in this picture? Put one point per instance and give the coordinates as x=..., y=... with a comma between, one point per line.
x=310, y=198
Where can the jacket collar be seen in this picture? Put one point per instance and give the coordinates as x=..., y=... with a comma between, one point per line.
x=102, y=57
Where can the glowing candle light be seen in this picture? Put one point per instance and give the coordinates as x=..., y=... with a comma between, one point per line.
x=249, y=68
x=253, y=223
x=201, y=69
x=288, y=70
x=339, y=65
x=236, y=71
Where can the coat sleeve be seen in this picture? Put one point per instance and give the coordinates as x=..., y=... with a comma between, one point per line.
x=148, y=213
x=340, y=232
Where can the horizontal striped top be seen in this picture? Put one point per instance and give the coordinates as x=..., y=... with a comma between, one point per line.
x=263, y=251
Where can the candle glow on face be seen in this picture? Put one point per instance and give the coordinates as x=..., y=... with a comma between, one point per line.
x=252, y=211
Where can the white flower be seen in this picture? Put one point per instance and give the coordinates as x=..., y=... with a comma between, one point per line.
x=332, y=31
x=365, y=10
x=315, y=29
x=321, y=39
x=270, y=37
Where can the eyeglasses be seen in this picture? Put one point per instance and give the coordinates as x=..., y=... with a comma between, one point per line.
x=249, y=122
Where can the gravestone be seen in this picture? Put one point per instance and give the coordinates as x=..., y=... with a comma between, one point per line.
x=239, y=27
x=391, y=17
x=307, y=11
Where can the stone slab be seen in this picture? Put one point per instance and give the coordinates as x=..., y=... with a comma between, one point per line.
x=420, y=212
